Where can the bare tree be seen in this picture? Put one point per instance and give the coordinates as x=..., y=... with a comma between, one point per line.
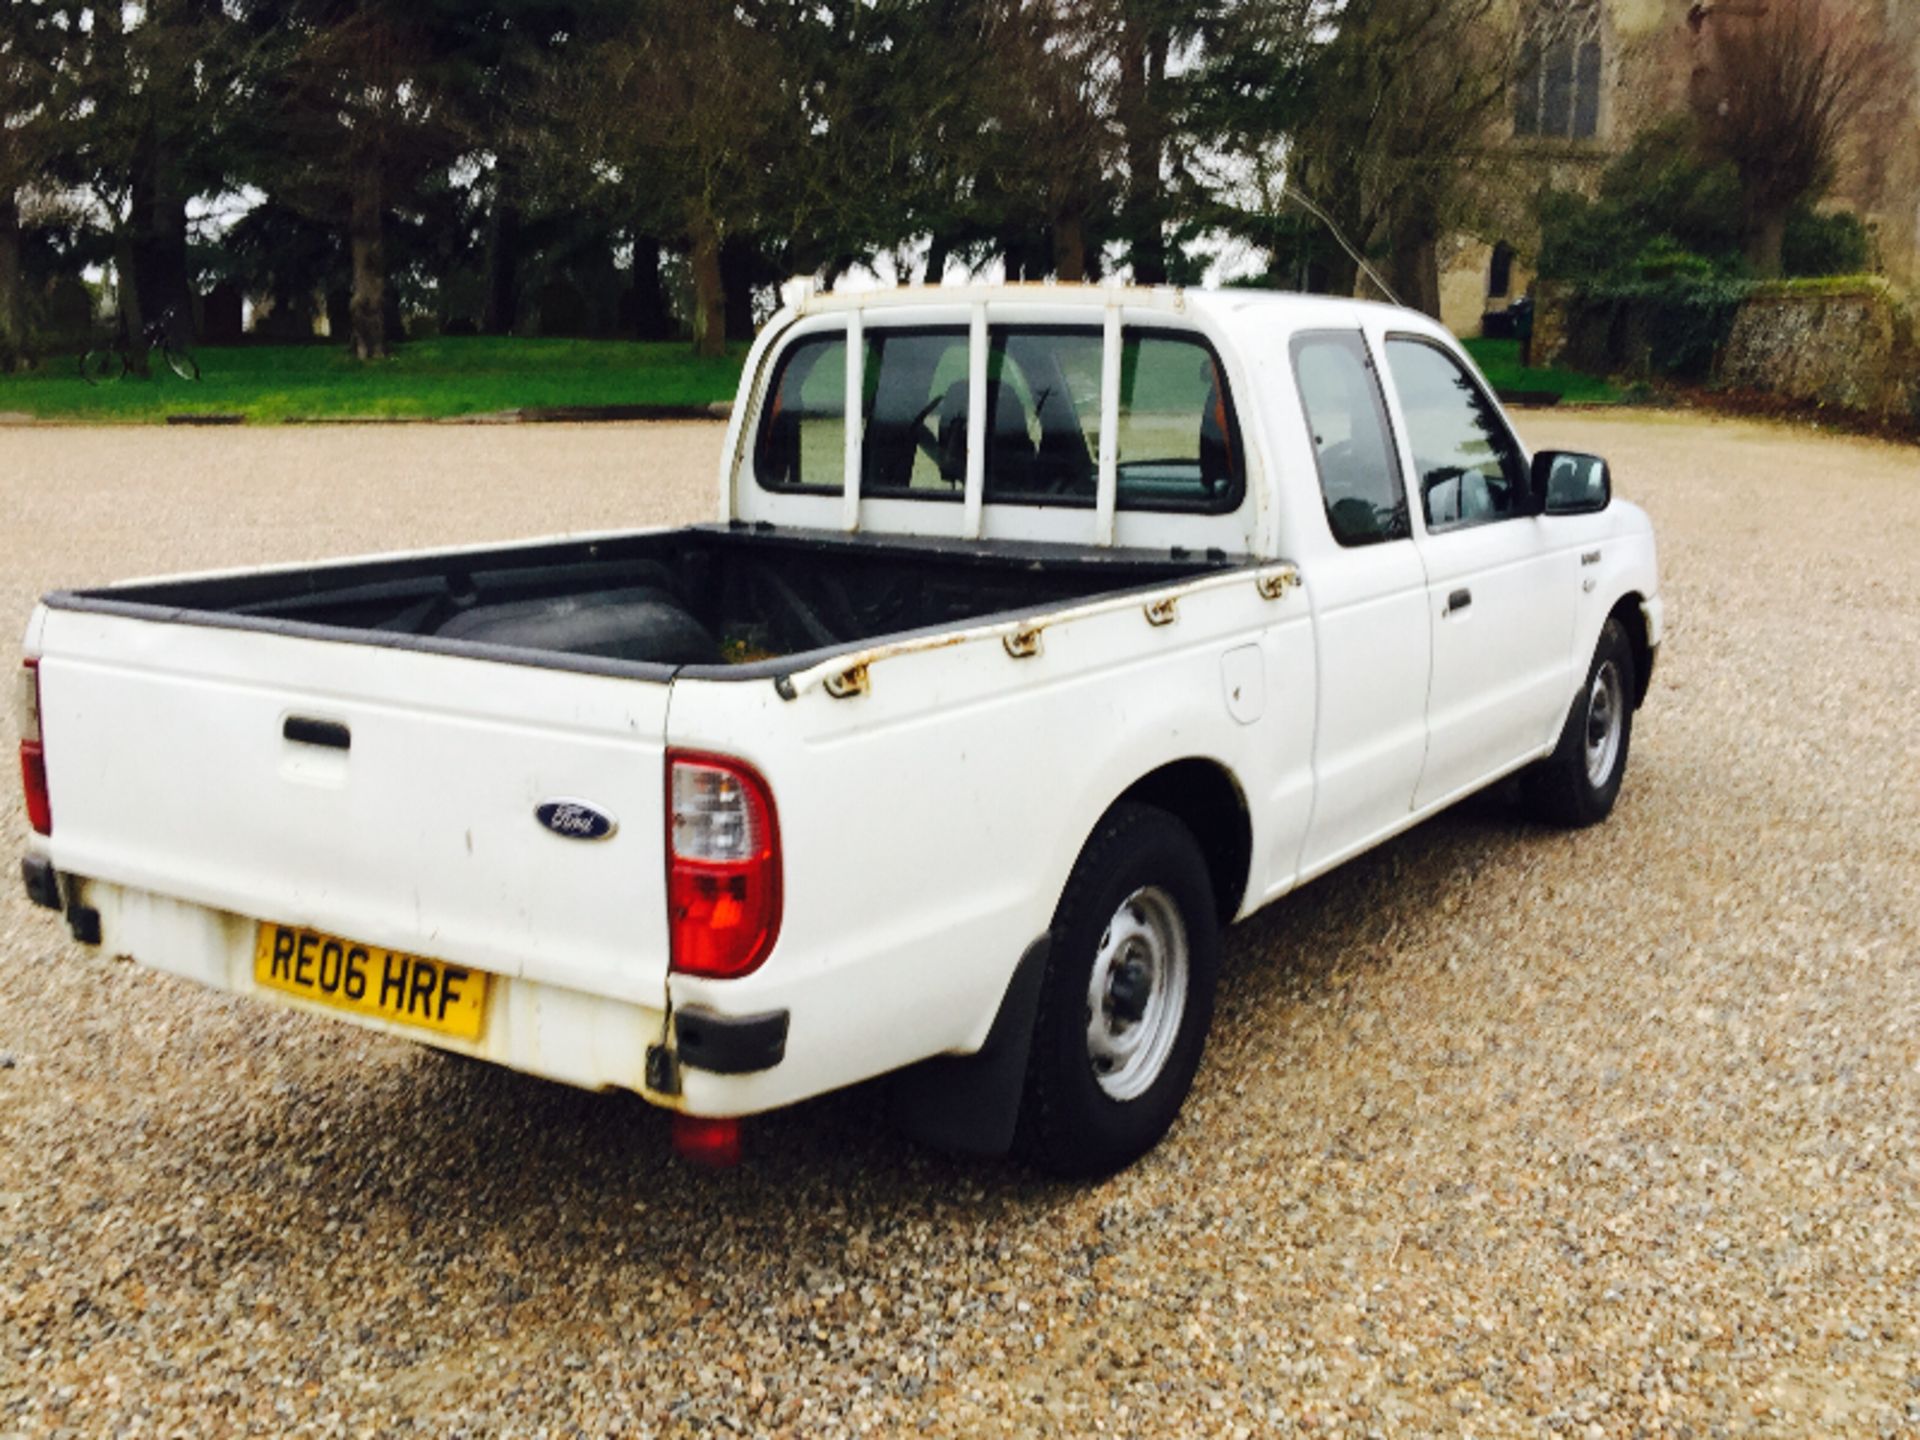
x=1787, y=80
x=1051, y=137
x=1393, y=136
x=688, y=100
x=351, y=118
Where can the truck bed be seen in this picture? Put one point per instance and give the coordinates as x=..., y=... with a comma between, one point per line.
x=715, y=601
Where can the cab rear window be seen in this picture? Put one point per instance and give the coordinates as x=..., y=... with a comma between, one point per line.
x=1178, y=444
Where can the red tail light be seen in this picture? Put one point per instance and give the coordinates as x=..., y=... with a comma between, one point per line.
x=33, y=755
x=723, y=866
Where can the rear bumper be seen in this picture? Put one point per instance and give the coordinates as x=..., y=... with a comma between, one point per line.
x=787, y=1041
x=590, y=1041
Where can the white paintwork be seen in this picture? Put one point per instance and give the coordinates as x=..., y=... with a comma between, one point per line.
x=928, y=822
x=856, y=386
x=976, y=484
x=1107, y=487
x=173, y=778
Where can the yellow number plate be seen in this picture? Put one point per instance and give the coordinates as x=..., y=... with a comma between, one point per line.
x=367, y=980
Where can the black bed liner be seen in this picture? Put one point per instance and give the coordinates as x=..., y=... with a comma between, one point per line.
x=707, y=601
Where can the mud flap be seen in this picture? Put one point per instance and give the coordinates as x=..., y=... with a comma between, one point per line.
x=969, y=1104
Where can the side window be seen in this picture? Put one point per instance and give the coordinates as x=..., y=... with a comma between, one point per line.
x=803, y=437
x=1359, y=474
x=1179, y=446
x=1468, y=464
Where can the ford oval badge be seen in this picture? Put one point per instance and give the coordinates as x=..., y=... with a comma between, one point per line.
x=576, y=820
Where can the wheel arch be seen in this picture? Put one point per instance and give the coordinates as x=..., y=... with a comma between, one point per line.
x=970, y=1104
x=1630, y=611
x=1206, y=797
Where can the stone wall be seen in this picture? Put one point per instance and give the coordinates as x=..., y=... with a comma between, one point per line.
x=1844, y=346
x=1851, y=345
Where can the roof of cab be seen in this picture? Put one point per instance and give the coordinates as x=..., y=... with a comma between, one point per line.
x=1293, y=309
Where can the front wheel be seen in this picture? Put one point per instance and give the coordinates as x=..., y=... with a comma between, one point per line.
x=1126, y=1000
x=181, y=363
x=1577, y=784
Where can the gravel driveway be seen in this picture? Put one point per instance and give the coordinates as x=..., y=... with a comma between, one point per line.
x=1502, y=1131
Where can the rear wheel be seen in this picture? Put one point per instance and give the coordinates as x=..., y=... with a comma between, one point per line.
x=1578, y=784
x=1126, y=1000
x=101, y=367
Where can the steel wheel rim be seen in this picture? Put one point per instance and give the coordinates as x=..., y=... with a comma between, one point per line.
x=1137, y=993
x=1606, y=722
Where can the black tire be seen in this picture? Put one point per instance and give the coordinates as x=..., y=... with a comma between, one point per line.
x=1564, y=789
x=102, y=367
x=182, y=363
x=1070, y=1122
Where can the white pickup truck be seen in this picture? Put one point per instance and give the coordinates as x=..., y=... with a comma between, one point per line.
x=1042, y=632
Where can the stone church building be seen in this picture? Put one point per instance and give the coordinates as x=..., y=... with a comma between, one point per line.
x=1594, y=72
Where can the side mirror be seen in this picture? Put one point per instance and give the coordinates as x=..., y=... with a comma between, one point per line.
x=1567, y=483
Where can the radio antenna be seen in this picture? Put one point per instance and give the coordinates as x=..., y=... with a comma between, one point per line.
x=1290, y=191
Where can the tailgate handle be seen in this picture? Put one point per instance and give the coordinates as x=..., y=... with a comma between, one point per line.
x=304, y=730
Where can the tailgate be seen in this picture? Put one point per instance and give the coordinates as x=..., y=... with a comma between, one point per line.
x=170, y=770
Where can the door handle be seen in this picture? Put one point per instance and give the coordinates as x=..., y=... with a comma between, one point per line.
x=329, y=734
x=1459, y=600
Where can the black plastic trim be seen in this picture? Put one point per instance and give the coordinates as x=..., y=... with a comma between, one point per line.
x=729, y=1044
x=343, y=635
x=42, y=881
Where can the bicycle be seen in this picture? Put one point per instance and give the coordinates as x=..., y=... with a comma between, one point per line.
x=110, y=363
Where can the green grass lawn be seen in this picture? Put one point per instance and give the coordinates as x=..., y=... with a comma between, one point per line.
x=1500, y=361
x=426, y=379
x=431, y=379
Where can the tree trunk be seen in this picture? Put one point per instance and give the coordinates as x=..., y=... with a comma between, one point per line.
x=938, y=252
x=15, y=349
x=1143, y=69
x=651, y=320
x=1414, y=271
x=503, y=265
x=1014, y=250
x=1332, y=273
x=366, y=236
x=709, y=291
x=737, y=265
x=131, y=319
x=1766, y=242
x=1070, y=248
x=159, y=233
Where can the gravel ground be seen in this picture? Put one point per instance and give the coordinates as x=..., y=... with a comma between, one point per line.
x=1503, y=1131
